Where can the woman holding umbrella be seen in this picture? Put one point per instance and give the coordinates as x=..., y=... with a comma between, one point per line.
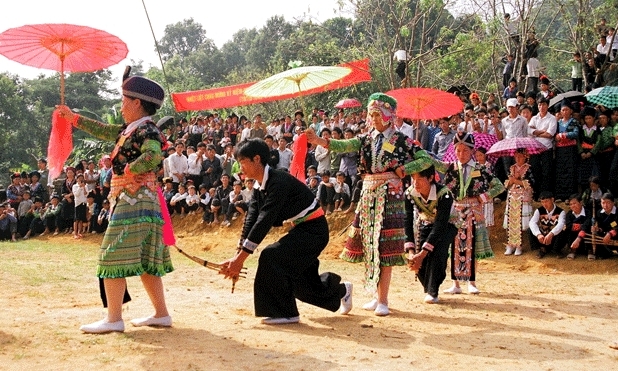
x=133, y=243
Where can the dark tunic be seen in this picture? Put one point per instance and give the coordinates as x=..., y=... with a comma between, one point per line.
x=288, y=268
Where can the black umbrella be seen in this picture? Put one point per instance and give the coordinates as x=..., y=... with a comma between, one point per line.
x=571, y=96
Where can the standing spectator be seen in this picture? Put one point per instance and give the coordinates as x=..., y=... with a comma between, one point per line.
x=246, y=131
x=511, y=90
x=24, y=213
x=518, y=202
x=420, y=133
x=227, y=159
x=47, y=183
x=546, y=226
x=612, y=41
x=443, y=139
x=349, y=162
x=588, y=144
x=91, y=176
x=401, y=56
x=542, y=127
x=80, y=196
x=211, y=168
x=402, y=126
x=335, y=158
x=221, y=198
x=566, y=136
x=178, y=165
x=287, y=129
x=274, y=129
x=507, y=72
x=194, y=162
x=257, y=129
x=534, y=69
x=15, y=191
x=105, y=175
x=273, y=159
x=322, y=154
x=607, y=149
x=285, y=156
x=577, y=72
x=513, y=126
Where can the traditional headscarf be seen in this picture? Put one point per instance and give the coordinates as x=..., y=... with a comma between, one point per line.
x=463, y=138
x=385, y=104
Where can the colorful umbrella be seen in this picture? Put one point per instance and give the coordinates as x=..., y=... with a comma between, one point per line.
x=298, y=81
x=425, y=103
x=348, y=103
x=62, y=47
x=481, y=140
x=606, y=96
x=507, y=147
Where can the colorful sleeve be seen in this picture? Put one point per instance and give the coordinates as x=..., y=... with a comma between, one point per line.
x=150, y=158
x=344, y=145
x=98, y=129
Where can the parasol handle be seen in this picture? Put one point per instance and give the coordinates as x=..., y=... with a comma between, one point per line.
x=62, y=80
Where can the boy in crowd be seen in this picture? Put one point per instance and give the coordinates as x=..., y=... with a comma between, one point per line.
x=546, y=226
x=80, y=194
x=342, y=192
x=326, y=192
x=192, y=200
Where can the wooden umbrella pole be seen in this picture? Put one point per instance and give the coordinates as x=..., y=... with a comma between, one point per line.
x=62, y=80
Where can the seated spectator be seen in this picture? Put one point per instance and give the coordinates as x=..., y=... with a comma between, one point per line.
x=168, y=193
x=37, y=224
x=314, y=184
x=591, y=197
x=24, y=213
x=53, y=216
x=178, y=201
x=326, y=192
x=36, y=188
x=545, y=226
x=239, y=202
x=8, y=223
x=342, y=192
x=312, y=171
x=192, y=201
x=206, y=204
x=605, y=228
x=577, y=223
x=102, y=220
x=221, y=200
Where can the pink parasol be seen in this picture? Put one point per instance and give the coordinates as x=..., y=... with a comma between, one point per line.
x=425, y=103
x=507, y=147
x=348, y=103
x=481, y=140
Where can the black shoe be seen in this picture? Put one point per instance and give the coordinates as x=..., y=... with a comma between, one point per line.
x=541, y=253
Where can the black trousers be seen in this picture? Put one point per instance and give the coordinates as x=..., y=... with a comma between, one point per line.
x=401, y=69
x=288, y=270
x=433, y=270
x=557, y=243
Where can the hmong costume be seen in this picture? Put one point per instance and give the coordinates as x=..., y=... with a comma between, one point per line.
x=288, y=268
x=427, y=226
x=589, y=141
x=133, y=242
x=606, y=224
x=518, y=204
x=378, y=234
x=472, y=240
x=566, y=158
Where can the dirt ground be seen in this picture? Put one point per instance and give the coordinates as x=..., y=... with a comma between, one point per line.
x=550, y=314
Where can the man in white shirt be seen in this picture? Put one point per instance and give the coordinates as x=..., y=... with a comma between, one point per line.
x=513, y=126
x=534, y=70
x=401, y=56
x=542, y=127
x=178, y=165
x=194, y=162
x=403, y=127
x=546, y=226
x=285, y=156
x=322, y=155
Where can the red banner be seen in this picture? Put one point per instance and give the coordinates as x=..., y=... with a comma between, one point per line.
x=233, y=96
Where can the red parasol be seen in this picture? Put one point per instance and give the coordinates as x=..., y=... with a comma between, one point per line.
x=348, y=103
x=507, y=147
x=481, y=140
x=62, y=47
x=425, y=103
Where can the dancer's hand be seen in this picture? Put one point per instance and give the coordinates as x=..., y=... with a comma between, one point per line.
x=415, y=261
x=231, y=267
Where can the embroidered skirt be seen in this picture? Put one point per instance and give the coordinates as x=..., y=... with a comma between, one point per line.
x=517, y=214
x=377, y=234
x=133, y=243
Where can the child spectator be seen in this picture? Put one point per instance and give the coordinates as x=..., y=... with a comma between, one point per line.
x=312, y=171
x=577, y=74
x=91, y=213
x=342, y=192
x=24, y=213
x=206, y=203
x=326, y=192
x=591, y=197
x=238, y=203
x=53, y=216
x=8, y=223
x=518, y=201
x=192, y=200
x=168, y=193
x=80, y=193
x=314, y=185
x=577, y=223
x=36, y=188
x=605, y=228
x=178, y=201
x=15, y=191
x=68, y=201
x=102, y=219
